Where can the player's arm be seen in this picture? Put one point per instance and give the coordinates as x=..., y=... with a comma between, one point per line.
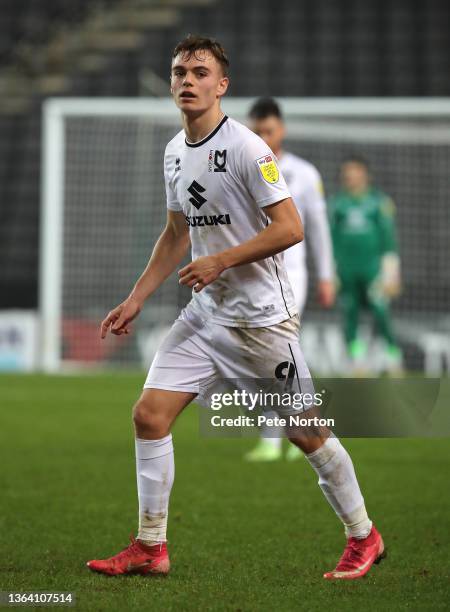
x=285, y=230
x=386, y=223
x=319, y=241
x=168, y=252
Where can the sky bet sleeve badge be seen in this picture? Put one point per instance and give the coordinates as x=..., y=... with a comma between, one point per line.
x=268, y=169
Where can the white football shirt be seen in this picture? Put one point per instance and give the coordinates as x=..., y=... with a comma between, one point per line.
x=305, y=184
x=222, y=184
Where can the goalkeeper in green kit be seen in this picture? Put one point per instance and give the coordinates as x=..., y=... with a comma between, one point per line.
x=368, y=266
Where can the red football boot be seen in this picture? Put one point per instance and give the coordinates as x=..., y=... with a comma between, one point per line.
x=358, y=557
x=135, y=559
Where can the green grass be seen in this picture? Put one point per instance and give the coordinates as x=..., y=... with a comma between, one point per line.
x=241, y=537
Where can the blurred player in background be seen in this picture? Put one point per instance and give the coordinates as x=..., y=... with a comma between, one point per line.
x=227, y=199
x=305, y=184
x=368, y=265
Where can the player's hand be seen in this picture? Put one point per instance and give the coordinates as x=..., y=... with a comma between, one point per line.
x=326, y=293
x=119, y=319
x=201, y=272
x=392, y=289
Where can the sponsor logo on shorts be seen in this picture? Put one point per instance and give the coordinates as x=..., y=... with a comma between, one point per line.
x=203, y=220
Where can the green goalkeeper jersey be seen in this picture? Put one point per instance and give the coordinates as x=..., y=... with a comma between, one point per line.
x=363, y=230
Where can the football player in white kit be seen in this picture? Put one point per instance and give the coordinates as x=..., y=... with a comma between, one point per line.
x=228, y=200
x=305, y=185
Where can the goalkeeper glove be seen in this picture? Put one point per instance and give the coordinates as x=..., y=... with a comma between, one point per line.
x=390, y=275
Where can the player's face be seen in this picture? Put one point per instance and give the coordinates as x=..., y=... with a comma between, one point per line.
x=271, y=130
x=197, y=82
x=354, y=177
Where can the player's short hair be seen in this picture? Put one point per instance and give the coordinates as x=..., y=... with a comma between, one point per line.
x=193, y=43
x=356, y=159
x=263, y=108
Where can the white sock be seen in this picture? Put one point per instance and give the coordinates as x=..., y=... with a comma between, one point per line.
x=337, y=479
x=155, y=473
x=272, y=435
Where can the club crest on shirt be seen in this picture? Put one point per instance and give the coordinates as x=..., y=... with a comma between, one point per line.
x=217, y=161
x=268, y=169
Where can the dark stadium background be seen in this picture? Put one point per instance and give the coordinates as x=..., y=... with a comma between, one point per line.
x=288, y=48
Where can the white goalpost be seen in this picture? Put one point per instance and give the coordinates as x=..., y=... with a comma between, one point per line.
x=103, y=207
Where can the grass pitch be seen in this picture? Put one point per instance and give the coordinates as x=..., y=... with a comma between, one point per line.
x=241, y=537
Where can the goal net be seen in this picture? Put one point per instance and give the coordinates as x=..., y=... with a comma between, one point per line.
x=103, y=208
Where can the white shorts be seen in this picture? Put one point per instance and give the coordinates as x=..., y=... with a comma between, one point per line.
x=197, y=356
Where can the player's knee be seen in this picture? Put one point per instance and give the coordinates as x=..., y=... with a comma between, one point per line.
x=149, y=419
x=309, y=441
